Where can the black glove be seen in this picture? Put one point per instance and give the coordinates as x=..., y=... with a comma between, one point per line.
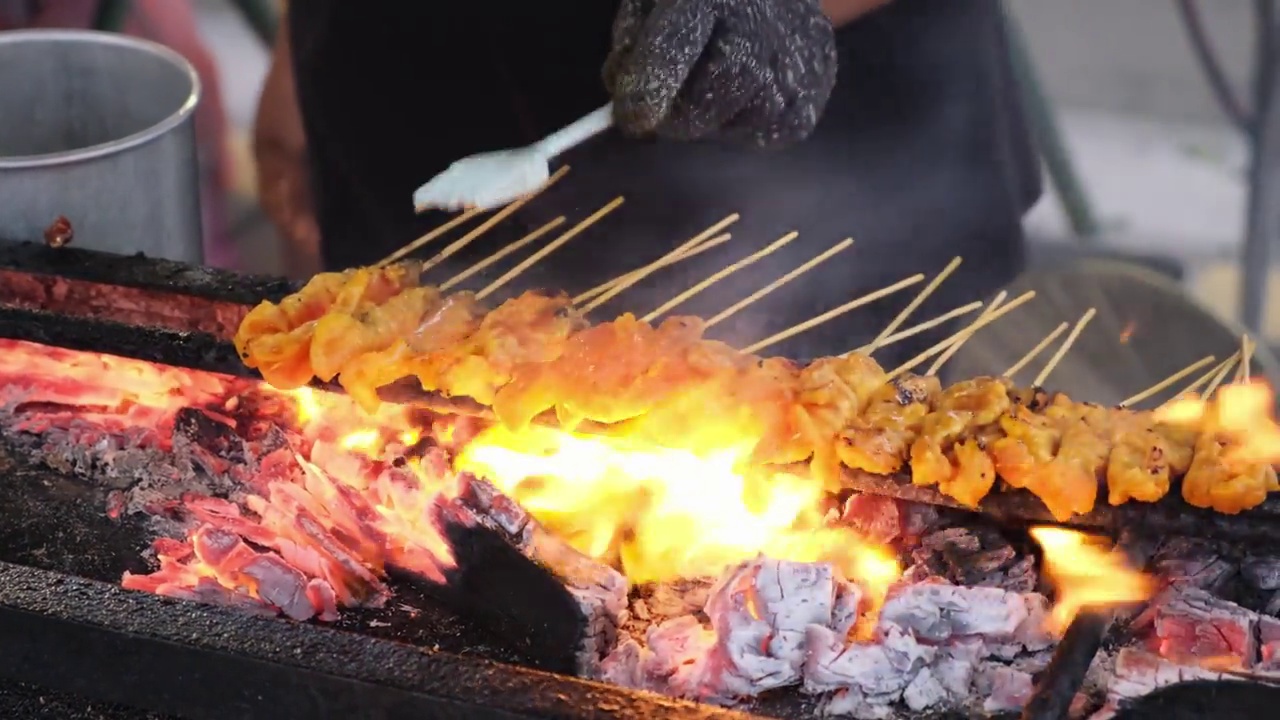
x=758, y=71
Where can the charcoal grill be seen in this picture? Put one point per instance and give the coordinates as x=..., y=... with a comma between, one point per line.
x=68, y=628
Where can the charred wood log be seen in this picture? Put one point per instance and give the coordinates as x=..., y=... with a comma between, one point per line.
x=1066, y=673
x=556, y=606
x=1200, y=699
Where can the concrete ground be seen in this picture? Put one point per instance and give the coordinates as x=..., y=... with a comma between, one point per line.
x=1164, y=171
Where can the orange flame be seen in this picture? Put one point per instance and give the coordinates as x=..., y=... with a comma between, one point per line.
x=1242, y=414
x=1086, y=575
x=662, y=514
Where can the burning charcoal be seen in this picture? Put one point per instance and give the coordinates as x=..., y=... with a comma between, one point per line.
x=561, y=607
x=264, y=575
x=760, y=613
x=1262, y=572
x=675, y=660
x=936, y=612
x=323, y=599
x=654, y=603
x=886, y=520
x=1189, y=562
x=622, y=666
x=1190, y=624
x=864, y=674
x=968, y=556
x=215, y=434
x=1004, y=688
x=1139, y=673
x=1268, y=645
x=947, y=682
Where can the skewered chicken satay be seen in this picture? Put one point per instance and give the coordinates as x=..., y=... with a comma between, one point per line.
x=725, y=400
x=948, y=453
x=277, y=339
x=1146, y=456
x=1221, y=476
x=833, y=393
x=529, y=330
x=340, y=338
x=879, y=440
x=425, y=353
x=608, y=373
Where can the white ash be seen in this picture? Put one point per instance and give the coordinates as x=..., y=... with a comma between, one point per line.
x=1137, y=673
x=936, y=647
x=769, y=624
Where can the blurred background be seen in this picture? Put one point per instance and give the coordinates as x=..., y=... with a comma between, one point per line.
x=1145, y=159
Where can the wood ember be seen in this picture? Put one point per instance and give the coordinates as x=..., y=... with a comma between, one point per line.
x=148, y=468
x=543, y=593
x=1189, y=623
x=1138, y=673
x=977, y=556
x=888, y=520
x=1189, y=562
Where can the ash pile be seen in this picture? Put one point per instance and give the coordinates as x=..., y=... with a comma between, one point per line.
x=294, y=504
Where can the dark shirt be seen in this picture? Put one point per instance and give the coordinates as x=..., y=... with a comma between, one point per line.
x=922, y=155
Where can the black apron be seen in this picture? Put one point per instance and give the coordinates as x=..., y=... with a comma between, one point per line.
x=922, y=155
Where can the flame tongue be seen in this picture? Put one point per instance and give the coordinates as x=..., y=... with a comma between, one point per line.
x=1086, y=575
x=668, y=514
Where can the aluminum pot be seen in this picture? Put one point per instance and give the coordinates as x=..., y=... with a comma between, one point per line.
x=99, y=128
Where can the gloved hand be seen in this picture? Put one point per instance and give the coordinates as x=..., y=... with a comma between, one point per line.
x=757, y=71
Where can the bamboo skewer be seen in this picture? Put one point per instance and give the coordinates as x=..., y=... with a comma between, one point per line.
x=686, y=250
x=631, y=278
x=527, y=239
x=978, y=324
x=727, y=312
x=965, y=335
x=1034, y=352
x=1246, y=354
x=1066, y=345
x=431, y=235
x=1168, y=381
x=488, y=225
x=720, y=275
x=915, y=305
x=1222, y=374
x=1206, y=378
x=625, y=282
x=836, y=312
x=917, y=329
x=549, y=248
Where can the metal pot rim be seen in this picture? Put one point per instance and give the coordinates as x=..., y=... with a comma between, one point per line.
x=110, y=147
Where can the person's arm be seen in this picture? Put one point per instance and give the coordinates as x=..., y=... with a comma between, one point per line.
x=842, y=12
x=280, y=148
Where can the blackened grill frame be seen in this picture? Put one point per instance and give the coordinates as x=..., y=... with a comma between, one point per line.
x=99, y=641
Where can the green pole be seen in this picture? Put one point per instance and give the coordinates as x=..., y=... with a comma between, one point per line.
x=1044, y=125
x=261, y=16
x=111, y=15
